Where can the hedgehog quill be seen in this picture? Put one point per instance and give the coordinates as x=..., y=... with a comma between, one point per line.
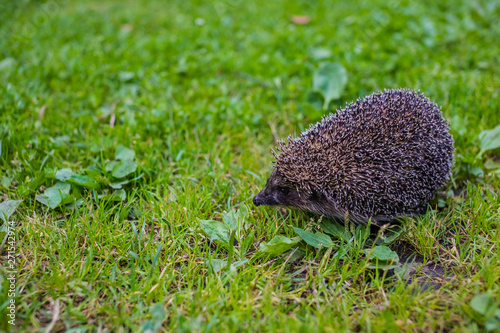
x=379, y=158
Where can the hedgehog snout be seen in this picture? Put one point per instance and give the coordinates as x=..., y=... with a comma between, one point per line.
x=260, y=199
x=265, y=199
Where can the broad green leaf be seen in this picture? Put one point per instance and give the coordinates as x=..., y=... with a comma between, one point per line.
x=43, y=199
x=123, y=153
x=236, y=218
x=217, y=264
x=476, y=172
x=55, y=195
x=332, y=228
x=119, y=185
x=7, y=208
x=483, y=304
x=330, y=80
x=83, y=181
x=121, y=194
x=489, y=139
x=63, y=174
x=382, y=253
x=383, y=258
x=491, y=165
x=317, y=240
x=231, y=218
x=124, y=168
x=278, y=245
x=55, y=200
x=243, y=210
x=110, y=165
x=75, y=204
x=6, y=181
x=59, y=187
x=215, y=230
x=492, y=324
x=118, y=195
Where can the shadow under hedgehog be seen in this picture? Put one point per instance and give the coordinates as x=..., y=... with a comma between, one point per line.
x=379, y=158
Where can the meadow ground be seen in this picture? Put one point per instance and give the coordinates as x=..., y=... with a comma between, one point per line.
x=134, y=135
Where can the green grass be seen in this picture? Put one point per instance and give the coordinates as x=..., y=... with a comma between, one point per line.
x=202, y=105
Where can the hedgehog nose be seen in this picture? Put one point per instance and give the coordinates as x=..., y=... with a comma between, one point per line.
x=256, y=201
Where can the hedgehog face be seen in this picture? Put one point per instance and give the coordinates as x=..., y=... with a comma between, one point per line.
x=277, y=192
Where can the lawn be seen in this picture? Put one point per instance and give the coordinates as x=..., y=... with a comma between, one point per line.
x=134, y=135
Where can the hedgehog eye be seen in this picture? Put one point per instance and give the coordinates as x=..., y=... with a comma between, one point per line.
x=284, y=190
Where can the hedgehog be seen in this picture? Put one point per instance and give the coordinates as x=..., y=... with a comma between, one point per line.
x=378, y=159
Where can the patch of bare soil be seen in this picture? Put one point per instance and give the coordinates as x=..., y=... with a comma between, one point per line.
x=427, y=274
